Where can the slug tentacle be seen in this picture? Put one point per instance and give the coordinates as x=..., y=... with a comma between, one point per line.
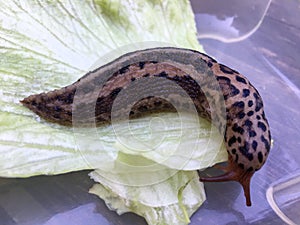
x=234, y=173
x=240, y=117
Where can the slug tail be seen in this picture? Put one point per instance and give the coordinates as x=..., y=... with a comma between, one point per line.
x=51, y=106
x=237, y=174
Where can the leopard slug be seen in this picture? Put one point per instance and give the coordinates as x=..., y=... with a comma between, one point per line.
x=246, y=131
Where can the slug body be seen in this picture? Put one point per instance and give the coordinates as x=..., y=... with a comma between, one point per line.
x=208, y=84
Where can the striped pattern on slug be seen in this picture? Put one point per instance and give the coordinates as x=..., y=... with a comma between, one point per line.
x=246, y=130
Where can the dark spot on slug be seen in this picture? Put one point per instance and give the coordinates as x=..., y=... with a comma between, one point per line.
x=115, y=92
x=250, y=113
x=241, y=115
x=231, y=141
x=124, y=69
x=248, y=123
x=177, y=78
x=67, y=97
x=223, y=78
x=254, y=145
x=245, y=148
x=239, y=104
x=99, y=101
x=233, y=151
x=262, y=126
x=260, y=157
x=236, y=158
x=245, y=151
x=263, y=115
x=234, y=90
x=205, y=55
x=246, y=93
x=133, y=79
x=146, y=75
x=252, y=133
x=258, y=107
x=265, y=141
x=250, y=103
x=226, y=69
x=209, y=64
x=163, y=74
x=142, y=64
x=240, y=79
x=258, y=117
x=239, y=139
x=34, y=103
x=258, y=102
x=238, y=129
x=225, y=134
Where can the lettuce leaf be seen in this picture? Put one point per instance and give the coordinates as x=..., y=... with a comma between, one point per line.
x=49, y=44
x=170, y=202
